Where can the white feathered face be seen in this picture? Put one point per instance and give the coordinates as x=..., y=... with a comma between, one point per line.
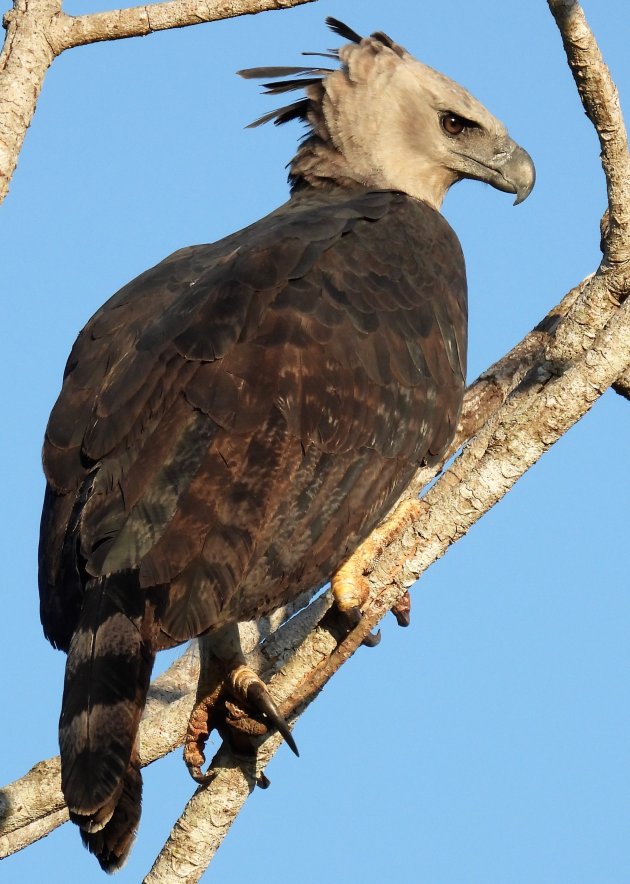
x=385, y=120
x=400, y=124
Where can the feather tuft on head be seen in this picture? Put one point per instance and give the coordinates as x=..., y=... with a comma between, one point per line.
x=307, y=78
x=383, y=119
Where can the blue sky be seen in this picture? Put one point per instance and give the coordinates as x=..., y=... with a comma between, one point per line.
x=489, y=742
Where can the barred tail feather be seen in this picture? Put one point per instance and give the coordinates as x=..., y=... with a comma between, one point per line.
x=112, y=843
x=107, y=677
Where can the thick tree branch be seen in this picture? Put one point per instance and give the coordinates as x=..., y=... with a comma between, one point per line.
x=486, y=395
x=38, y=31
x=516, y=410
x=33, y=806
x=138, y=21
x=25, y=58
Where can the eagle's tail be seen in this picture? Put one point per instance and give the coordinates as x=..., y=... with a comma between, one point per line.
x=107, y=677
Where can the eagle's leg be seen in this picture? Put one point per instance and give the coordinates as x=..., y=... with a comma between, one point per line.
x=349, y=584
x=224, y=676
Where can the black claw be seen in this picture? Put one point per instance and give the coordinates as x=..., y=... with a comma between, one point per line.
x=353, y=618
x=402, y=617
x=372, y=639
x=259, y=697
x=263, y=781
x=402, y=610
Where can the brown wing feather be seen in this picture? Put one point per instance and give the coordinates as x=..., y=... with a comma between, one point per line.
x=232, y=424
x=356, y=341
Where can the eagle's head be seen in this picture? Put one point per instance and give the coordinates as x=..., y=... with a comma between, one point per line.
x=383, y=119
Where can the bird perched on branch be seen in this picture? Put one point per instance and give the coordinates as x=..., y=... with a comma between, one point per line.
x=237, y=420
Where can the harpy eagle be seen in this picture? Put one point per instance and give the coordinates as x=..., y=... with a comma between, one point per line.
x=236, y=420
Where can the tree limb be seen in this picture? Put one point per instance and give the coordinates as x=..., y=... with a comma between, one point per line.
x=535, y=417
x=38, y=31
x=601, y=103
x=517, y=409
x=138, y=21
x=24, y=61
x=33, y=806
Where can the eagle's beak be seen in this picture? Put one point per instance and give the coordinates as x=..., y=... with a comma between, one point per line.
x=509, y=168
x=517, y=170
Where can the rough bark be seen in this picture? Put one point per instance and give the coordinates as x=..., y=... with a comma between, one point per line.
x=601, y=102
x=24, y=61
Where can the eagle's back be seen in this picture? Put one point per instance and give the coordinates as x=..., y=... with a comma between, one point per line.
x=237, y=419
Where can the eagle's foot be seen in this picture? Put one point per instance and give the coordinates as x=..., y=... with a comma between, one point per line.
x=248, y=688
x=231, y=699
x=350, y=618
x=200, y=725
x=351, y=590
x=349, y=584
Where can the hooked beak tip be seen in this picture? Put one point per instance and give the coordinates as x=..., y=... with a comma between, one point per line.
x=521, y=173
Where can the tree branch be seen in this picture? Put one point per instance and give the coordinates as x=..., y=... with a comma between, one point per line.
x=601, y=103
x=33, y=806
x=38, y=31
x=138, y=21
x=25, y=58
x=517, y=409
x=535, y=417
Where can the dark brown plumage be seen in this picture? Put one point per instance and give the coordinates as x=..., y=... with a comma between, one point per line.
x=232, y=424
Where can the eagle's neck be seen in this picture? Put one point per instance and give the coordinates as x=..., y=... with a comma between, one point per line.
x=320, y=166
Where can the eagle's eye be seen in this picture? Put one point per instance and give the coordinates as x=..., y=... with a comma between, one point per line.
x=453, y=125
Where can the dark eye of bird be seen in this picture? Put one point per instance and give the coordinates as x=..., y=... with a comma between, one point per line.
x=453, y=124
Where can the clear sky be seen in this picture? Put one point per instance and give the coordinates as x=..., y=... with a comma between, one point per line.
x=490, y=741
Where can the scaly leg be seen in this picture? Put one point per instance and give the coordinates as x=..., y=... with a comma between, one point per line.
x=224, y=675
x=349, y=585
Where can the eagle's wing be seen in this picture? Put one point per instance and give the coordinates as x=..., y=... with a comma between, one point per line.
x=190, y=397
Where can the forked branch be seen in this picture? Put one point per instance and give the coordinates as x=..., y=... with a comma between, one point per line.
x=512, y=414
